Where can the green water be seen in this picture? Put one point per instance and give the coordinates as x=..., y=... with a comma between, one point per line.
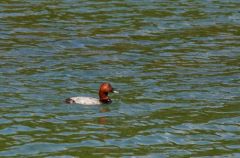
x=176, y=64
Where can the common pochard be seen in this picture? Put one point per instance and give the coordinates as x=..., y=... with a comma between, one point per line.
x=104, y=89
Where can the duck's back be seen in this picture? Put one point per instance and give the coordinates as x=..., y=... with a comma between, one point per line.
x=83, y=100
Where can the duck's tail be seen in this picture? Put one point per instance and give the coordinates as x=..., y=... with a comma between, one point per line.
x=69, y=101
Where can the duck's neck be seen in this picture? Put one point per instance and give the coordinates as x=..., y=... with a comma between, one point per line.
x=103, y=98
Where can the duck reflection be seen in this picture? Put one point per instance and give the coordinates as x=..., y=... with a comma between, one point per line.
x=103, y=119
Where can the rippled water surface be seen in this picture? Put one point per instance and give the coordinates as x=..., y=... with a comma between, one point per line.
x=176, y=64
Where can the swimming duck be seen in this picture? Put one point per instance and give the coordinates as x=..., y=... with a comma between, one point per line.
x=104, y=89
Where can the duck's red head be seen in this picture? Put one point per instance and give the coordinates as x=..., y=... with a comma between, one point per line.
x=104, y=89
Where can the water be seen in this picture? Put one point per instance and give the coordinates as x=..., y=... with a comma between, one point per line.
x=175, y=63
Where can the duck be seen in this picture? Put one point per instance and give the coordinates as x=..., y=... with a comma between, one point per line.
x=104, y=89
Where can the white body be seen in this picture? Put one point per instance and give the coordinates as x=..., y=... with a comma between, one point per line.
x=86, y=100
